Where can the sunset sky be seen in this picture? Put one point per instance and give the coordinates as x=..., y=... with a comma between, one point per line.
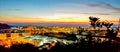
x=58, y=11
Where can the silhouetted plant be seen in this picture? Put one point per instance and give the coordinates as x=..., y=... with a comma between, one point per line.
x=3, y=49
x=24, y=48
x=107, y=24
x=95, y=22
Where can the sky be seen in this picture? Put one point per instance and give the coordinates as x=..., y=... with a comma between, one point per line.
x=58, y=11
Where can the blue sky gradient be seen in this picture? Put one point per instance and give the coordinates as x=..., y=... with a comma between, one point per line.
x=56, y=10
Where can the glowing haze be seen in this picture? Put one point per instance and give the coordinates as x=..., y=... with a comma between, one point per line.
x=58, y=11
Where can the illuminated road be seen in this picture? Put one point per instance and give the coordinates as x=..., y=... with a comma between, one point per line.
x=45, y=39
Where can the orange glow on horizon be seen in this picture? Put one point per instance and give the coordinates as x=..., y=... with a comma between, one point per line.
x=65, y=20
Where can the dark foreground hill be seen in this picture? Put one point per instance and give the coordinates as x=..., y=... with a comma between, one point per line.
x=78, y=47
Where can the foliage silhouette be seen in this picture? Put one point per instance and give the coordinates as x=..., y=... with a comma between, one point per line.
x=24, y=48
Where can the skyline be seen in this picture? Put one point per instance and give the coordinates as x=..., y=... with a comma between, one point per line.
x=58, y=11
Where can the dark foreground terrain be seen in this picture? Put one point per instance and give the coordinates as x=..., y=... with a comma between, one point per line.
x=78, y=47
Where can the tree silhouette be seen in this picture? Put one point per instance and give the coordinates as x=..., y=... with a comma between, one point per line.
x=107, y=24
x=95, y=22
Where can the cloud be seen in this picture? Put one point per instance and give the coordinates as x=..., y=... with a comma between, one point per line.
x=96, y=13
x=102, y=5
x=11, y=9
